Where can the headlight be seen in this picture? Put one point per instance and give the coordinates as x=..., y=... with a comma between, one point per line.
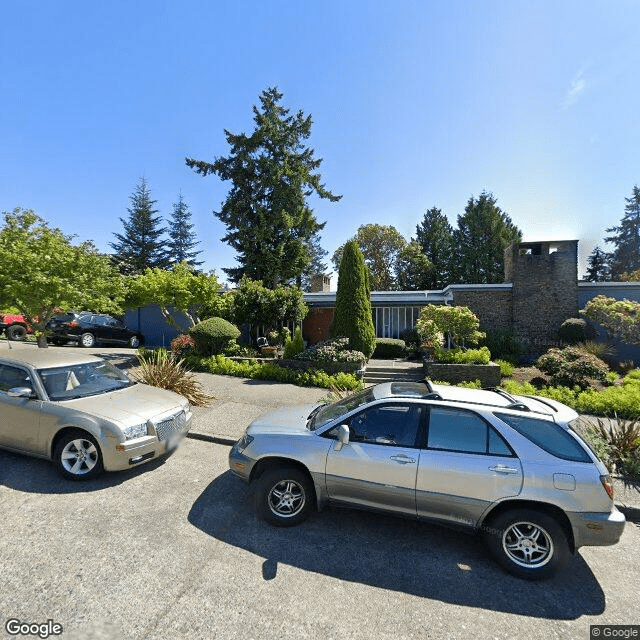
x=135, y=431
x=244, y=442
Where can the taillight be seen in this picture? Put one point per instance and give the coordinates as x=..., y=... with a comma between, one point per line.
x=73, y=324
x=608, y=485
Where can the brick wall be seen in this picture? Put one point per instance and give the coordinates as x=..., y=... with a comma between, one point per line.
x=316, y=325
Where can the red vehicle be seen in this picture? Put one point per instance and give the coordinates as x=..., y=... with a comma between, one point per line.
x=14, y=325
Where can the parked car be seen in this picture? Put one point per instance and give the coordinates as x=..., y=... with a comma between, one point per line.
x=88, y=329
x=14, y=325
x=509, y=467
x=83, y=413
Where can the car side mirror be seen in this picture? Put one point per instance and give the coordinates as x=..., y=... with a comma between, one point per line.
x=342, y=437
x=21, y=392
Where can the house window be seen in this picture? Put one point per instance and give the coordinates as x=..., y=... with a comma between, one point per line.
x=390, y=322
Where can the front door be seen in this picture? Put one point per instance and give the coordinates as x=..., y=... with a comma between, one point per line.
x=378, y=467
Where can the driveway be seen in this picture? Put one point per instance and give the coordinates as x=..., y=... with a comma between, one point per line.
x=173, y=550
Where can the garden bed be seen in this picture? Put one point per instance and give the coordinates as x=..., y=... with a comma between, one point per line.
x=487, y=374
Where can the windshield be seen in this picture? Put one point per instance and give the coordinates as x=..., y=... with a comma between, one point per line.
x=330, y=412
x=81, y=380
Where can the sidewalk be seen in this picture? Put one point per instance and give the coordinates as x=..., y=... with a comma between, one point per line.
x=238, y=401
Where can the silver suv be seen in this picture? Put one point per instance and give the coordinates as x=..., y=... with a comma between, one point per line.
x=510, y=467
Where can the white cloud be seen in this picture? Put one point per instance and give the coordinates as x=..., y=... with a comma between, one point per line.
x=577, y=87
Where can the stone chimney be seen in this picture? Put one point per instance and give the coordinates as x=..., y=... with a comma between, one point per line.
x=320, y=283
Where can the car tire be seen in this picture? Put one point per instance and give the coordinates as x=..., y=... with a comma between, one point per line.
x=16, y=332
x=77, y=456
x=527, y=543
x=284, y=496
x=87, y=340
x=134, y=342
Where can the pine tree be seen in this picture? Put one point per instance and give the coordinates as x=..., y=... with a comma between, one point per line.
x=435, y=236
x=182, y=241
x=140, y=246
x=484, y=232
x=353, y=317
x=272, y=173
x=598, y=269
x=626, y=238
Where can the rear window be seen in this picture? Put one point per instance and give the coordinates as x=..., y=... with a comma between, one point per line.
x=548, y=436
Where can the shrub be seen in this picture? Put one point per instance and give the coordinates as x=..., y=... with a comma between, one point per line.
x=575, y=330
x=182, y=344
x=266, y=371
x=572, y=366
x=623, y=401
x=353, y=317
x=460, y=323
x=462, y=356
x=278, y=338
x=506, y=368
x=214, y=335
x=389, y=348
x=335, y=350
x=412, y=341
x=162, y=369
x=505, y=345
x=620, y=318
x=293, y=347
x=602, y=350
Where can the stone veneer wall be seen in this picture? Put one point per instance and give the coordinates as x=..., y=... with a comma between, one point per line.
x=545, y=289
x=488, y=374
x=492, y=306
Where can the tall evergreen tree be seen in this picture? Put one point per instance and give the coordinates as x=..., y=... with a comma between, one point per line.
x=598, y=266
x=626, y=238
x=414, y=271
x=182, y=240
x=353, y=317
x=317, y=266
x=435, y=236
x=484, y=232
x=140, y=246
x=272, y=173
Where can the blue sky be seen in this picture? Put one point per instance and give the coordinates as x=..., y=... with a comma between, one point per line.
x=415, y=104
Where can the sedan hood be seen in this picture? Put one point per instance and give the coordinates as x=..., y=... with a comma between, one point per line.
x=289, y=420
x=132, y=405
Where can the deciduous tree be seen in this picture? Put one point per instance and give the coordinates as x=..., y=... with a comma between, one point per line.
x=380, y=246
x=178, y=291
x=42, y=271
x=414, y=271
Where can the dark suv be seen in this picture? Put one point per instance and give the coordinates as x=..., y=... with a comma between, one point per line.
x=87, y=329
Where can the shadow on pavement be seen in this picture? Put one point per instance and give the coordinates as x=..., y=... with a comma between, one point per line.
x=35, y=475
x=392, y=553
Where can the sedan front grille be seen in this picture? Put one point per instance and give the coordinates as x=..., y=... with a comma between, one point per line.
x=175, y=423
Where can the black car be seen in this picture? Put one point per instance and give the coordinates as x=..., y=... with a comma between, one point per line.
x=87, y=329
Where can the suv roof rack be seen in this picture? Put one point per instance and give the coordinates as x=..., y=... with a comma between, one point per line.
x=513, y=403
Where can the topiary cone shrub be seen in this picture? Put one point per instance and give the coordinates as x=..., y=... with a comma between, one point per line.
x=353, y=317
x=213, y=335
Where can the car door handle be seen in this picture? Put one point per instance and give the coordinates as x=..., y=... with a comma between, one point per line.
x=501, y=468
x=402, y=459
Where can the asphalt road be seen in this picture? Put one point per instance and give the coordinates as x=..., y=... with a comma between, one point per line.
x=174, y=551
